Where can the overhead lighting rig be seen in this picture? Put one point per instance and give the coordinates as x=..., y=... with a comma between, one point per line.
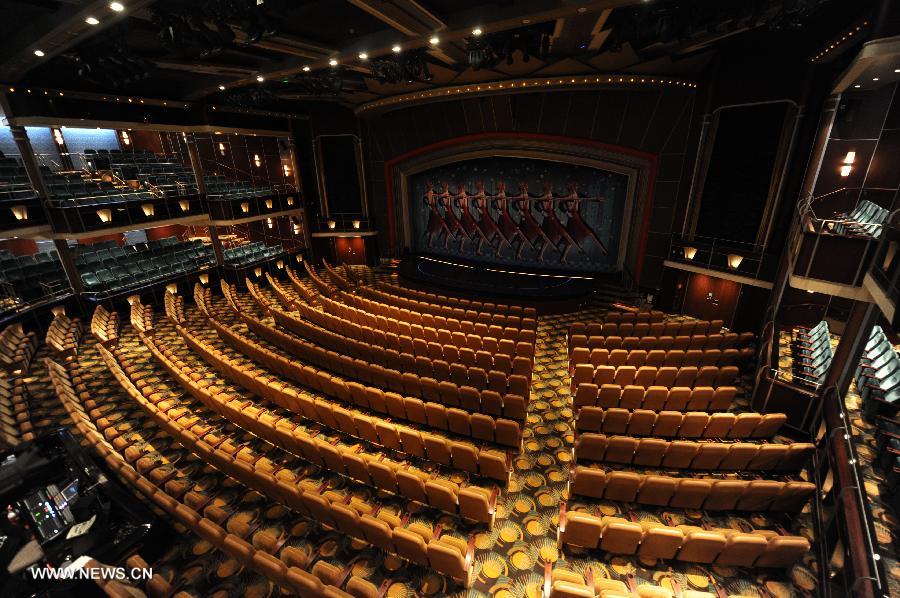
x=408, y=67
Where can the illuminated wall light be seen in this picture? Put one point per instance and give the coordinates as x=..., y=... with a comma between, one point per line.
x=689, y=252
x=204, y=278
x=355, y=224
x=306, y=69
x=290, y=200
x=396, y=49
x=39, y=53
x=332, y=224
x=363, y=56
x=116, y=6
x=280, y=264
x=104, y=215
x=333, y=62
x=172, y=288
x=850, y=158
x=245, y=207
x=299, y=258
x=435, y=40
x=260, y=78
x=477, y=31
x=148, y=209
x=59, y=310
x=222, y=148
x=92, y=21
x=185, y=205
x=256, y=160
x=296, y=229
x=269, y=222
x=734, y=260
x=258, y=272
x=20, y=212
x=845, y=170
x=125, y=138
x=269, y=204
x=287, y=170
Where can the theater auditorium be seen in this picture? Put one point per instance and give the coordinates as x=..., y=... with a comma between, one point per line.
x=448, y=298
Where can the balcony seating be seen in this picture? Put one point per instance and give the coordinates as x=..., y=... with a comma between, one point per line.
x=865, y=220
x=107, y=269
x=220, y=187
x=717, y=494
x=17, y=347
x=878, y=375
x=168, y=175
x=811, y=352
x=675, y=424
x=17, y=193
x=646, y=376
x=250, y=253
x=659, y=357
x=105, y=325
x=725, y=547
x=683, y=454
x=34, y=277
x=641, y=329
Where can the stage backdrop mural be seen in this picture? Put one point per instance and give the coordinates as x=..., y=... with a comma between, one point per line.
x=519, y=211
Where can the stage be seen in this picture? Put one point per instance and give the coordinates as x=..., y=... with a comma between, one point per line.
x=501, y=280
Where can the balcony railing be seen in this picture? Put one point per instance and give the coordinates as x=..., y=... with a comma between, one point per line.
x=343, y=222
x=736, y=257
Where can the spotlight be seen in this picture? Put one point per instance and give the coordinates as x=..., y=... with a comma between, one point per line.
x=92, y=21
x=435, y=40
x=333, y=62
x=116, y=6
x=363, y=56
x=476, y=32
x=39, y=53
x=260, y=78
x=221, y=88
x=396, y=49
x=306, y=69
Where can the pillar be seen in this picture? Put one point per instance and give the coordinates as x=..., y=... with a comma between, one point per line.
x=197, y=167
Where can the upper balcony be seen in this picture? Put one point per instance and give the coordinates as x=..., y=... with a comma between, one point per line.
x=883, y=279
x=743, y=262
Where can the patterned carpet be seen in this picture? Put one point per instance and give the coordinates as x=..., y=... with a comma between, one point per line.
x=510, y=559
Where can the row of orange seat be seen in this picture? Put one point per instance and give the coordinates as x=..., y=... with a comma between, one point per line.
x=17, y=348
x=659, y=357
x=105, y=324
x=63, y=334
x=639, y=329
x=684, y=454
x=706, y=342
x=418, y=376
x=655, y=398
x=646, y=376
x=15, y=416
x=478, y=402
x=675, y=424
x=691, y=493
x=470, y=502
x=651, y=541
x=562, y=582
x=636, y=316
x=286, y=574
x=467, y=304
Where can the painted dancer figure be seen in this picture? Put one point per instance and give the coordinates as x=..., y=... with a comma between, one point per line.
x=551, y=225
x=445, y=200
x=465, y=218
x=577, y=228
x=488, y=225
x=508, y=227
x=529, y=227
x=435, y=222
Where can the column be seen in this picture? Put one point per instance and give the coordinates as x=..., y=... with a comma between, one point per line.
x=197, y=167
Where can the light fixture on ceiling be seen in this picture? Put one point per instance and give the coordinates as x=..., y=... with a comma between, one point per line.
x=734, y=260
x=222, y=148
x=126, y=140
x=396, y=49
x=221, y=88
x=92, y=21
x=39, y=53
x=260, y=78
x=363, y=56
x=435, y=40
x=116, y=6
x=689, y=252
x=172, y=288
x=306, y=69
x=847, y=164
x=333, y=62
x=850, y=158
x=477, y=31
x=846, y=169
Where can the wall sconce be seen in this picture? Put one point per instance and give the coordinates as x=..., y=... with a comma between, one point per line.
x=222, y=148
x=689, y=252
x=58, y=137
x=290, y=200
x=126, y=140
x=269, y=222
x=245, y=207
x=280, y=264
x=287, y=170
x=256, y=160
x=299, y=258
x=149, y=209
x=59, y=310
x=269, y=204
x=204, y=279
x=734, y=260
x=332, y=224
x=104, y=215
x=296, y=228
x=132, y=298
x=355, y=224
x=172, y=288
x=258, y=272
x=185, y=205
x=20, y=212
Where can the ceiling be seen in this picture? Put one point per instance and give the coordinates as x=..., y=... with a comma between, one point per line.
x=356, y=51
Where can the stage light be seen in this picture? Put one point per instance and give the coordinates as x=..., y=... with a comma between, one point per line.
x=689, y=252
x=734, y=260
x=333, y=62
x=104, y=215
x=204, y=279
x=39, y=53
x=221, y=88
x=148, y=209
x=332, y=224
x=396, y=49
x=435, y=40
x=245, y=207
x=185, y=205
x=92, y=21
x=116, y=6
x=355, y=224
x=363, y=56
x=269, y=204
x=476, y=32
x=20, y=212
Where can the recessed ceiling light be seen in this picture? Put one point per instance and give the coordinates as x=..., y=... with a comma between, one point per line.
x=260, y=78
x=582, y=9
x=333, y=62
x=526, y=21
x=221, y=88
x=396, y=49
x=117, y=6
x=874, y=78
x=39, y=53
x=434, y=40
x=92, y=21
x=476, y=32
x=897, y=70
x=363, y=56
x=857, y=86
x=306, y=69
